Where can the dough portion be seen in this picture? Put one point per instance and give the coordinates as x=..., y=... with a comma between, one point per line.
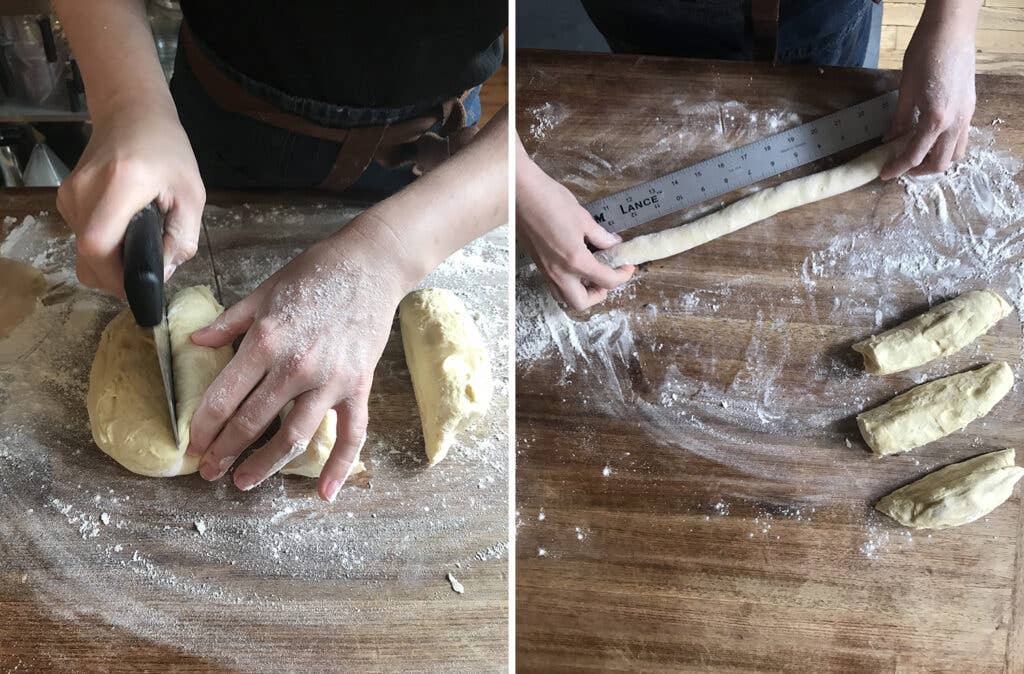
x=312, y=460
x=956, y=494
x=754, y=208
x=20, y=288
x=127, y=412
x=449, y=365
x=940, y=331
x=935, y=409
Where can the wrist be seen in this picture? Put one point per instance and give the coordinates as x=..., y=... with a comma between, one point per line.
x=155, y=103
x=382, y=250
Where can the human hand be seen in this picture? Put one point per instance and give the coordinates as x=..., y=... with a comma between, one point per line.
x=554, y=229
x=135, y=155
x=314, y=333
x=938, y=81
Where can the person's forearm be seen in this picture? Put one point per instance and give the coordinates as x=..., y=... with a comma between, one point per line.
x=960, y=13
x=113, y=45
x=461, y=199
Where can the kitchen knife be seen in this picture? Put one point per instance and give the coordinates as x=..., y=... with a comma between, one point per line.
x=143, y=257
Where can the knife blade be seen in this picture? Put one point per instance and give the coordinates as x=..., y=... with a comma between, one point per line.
x=143, y=255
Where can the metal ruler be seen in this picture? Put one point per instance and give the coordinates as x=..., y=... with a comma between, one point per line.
x=745, y=165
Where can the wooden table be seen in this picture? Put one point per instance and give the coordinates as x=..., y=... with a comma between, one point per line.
x=716, y=515
x=279, y=581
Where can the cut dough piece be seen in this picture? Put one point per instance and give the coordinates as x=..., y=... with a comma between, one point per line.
x=447, y=359
x=956, y=494
x=311, y=461
x=127, y=411
x=754, y=208
x=20, y=288
x=940, y=331
x=935, y=409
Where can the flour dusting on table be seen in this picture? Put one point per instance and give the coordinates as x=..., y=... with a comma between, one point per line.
x=93, y=542
x=766, y=410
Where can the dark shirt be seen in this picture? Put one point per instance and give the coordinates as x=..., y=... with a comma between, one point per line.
x=361, y=54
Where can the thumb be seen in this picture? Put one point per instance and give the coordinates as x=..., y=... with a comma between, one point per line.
x=600, y=237
x=227, y=326
x=903, y=117
x=181, y=235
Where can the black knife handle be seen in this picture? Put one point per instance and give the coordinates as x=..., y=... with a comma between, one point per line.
x=143, y=257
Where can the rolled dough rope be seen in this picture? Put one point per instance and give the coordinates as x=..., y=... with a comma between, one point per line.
x=448, y=363
x=751, y=209
x=940, y=331
x=956, y=494
x=935, y=409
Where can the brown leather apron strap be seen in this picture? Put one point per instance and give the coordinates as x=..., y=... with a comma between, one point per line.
x=764, y=16
x=407, y=142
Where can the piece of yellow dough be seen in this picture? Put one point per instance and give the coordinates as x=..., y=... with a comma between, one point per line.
x=447, y=359
x=935, y=409
x=956, y=494
x=940, y=331
x=312, y=460
x=758, y=206
x=127, y=412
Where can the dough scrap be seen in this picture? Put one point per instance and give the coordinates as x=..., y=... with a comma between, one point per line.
x=940, y=331
x=754, y=208
x=448, y=363
x=127, y=412
x=935, y=409
x=955, y=495
x=21, y=285
x=312, y=460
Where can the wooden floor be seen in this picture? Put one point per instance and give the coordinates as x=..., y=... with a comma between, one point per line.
x=1000, y=36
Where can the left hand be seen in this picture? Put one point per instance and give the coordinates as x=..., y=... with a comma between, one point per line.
x=314, y=333
x=938, y=80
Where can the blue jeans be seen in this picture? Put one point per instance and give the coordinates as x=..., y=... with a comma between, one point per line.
x=238, y=152
x=818, y=32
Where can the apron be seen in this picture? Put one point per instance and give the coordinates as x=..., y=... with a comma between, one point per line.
x=248, y=135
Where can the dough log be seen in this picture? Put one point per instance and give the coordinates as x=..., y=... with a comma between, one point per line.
x=447, y=359
x=935, y=409
x=956, y=494
x=758, y=206
x=940, y=331
x=127, y=412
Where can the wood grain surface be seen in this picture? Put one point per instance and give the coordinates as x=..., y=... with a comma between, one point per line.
x=372, y=593
x=695, y=497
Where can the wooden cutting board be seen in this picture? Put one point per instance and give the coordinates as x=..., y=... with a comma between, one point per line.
x=692, y=491
x=278, y=581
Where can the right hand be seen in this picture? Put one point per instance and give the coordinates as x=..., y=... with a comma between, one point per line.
x=134, y=156
x=554, y=229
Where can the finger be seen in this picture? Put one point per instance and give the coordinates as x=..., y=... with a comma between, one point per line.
x=224, y=396
x=181, y=233
x=101, y=234
x=600, y=237
x=243, y=427
x=353, y=416
x=573, y=292
x=229, y=325
x=596, y=296
x=961, y=143
x=85, y=273
x=903, y=117
x=603, y=276
x=941, y=153
x=913, y=153
x=297, y=429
